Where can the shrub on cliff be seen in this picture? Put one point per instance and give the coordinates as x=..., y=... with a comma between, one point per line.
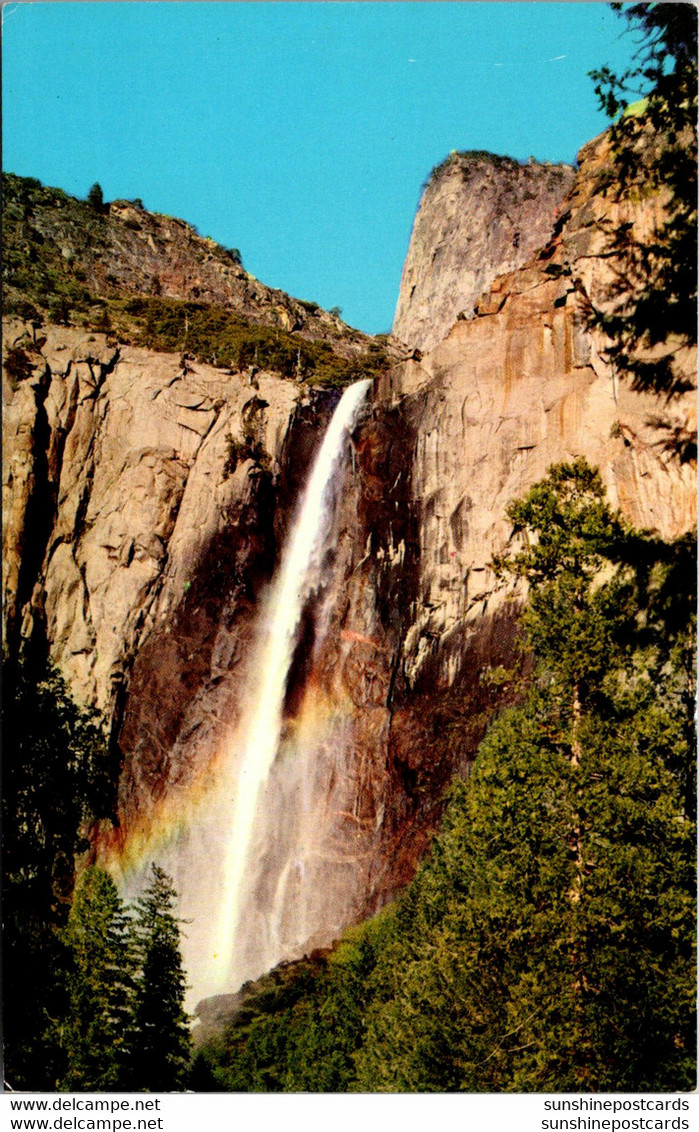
x=95, y=197
x=221, y=338
x=18, y=365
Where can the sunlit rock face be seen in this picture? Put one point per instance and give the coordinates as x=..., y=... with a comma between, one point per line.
x=479, y=217
x=139, y=530
x=520, y=385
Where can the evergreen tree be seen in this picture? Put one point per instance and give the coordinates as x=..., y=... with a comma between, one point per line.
x=91, y=1001
x=98, y=1034
x=298, y=1028
x=547, y=944
x=95, y=197
x=57, y=773
x=162, y=1039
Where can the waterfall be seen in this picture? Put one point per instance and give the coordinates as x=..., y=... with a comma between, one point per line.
x=297, y=577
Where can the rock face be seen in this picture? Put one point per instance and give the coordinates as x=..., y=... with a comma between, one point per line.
x=137, y=536
x=520, y=386
x=145, y=503
x=480, y=216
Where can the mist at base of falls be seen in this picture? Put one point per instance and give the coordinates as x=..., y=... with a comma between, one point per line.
x=260, y=869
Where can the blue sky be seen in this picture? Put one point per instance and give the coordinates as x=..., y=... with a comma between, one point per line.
x=300, y=133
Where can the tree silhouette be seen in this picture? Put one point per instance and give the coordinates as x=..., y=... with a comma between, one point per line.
x=649, y=314
x=95, y=197
x=162, y=1041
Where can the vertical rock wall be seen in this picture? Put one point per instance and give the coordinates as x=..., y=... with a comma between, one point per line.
x=138, y=532
x=523, y=384
x=480, y=216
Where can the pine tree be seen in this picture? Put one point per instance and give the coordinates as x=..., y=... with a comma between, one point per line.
x=98, y=1035
x=95, y=197
x=162, y=1039
x=57, y=773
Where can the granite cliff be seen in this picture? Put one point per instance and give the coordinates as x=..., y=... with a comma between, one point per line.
x=480, y=216
x=146, y=497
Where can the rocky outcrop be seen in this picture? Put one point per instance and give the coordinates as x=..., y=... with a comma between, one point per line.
x=155, y=254
x=122, y=248
x=523, y=384
x=480, y=216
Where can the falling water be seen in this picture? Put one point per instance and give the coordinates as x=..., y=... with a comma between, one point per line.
x=295, y=581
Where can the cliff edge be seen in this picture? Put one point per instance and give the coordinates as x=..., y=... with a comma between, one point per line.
x=480, y=216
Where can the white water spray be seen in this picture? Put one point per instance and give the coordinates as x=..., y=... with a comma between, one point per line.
x=294, y=583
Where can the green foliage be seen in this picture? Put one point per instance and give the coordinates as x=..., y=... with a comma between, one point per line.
x=547, y=944
x=653, y=313
x=297, y=1029
x=219, y=337
x=59, y=311
x=98, y=1037
x=570, y=534
x=234, y=255
x=48, y=240
x=57, y=774
x=238, y=451
x=508, y=976
x=106, y=1013
x=95, y=197
x=468, y=158
x=124, y=1026
x=22, y=308
x=92, y=997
